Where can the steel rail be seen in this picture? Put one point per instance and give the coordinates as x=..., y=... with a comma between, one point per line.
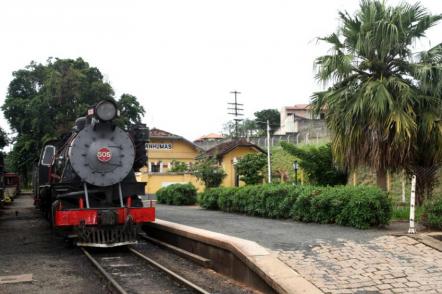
x=103, y=271
x=169, y=272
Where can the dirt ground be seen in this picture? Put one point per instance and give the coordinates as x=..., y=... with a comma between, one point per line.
x=27, y=246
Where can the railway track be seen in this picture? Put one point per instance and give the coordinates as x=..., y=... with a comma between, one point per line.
x=130, y=271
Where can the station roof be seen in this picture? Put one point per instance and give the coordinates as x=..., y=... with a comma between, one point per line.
x=225, y=147
x=211, y=136
x=156, y=133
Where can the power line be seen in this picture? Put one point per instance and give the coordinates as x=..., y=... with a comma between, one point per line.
x=236, y=111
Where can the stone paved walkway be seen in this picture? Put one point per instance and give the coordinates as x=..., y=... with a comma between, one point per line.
x=386, y=264
x=336, y=259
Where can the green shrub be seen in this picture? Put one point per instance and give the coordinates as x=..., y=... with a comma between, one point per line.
x=177, y=194
x=432, y=215
x=209, y=198
x=327, y=205
x=250, y=168
x=367, y=206
x=360, y=206
x=302, y=209
x=207, y=170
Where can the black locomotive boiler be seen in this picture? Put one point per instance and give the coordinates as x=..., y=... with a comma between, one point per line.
x=85, y=183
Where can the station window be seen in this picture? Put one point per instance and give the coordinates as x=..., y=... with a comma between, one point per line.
x=155, y=167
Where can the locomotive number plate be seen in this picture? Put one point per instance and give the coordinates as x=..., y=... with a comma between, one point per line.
x=104, y=154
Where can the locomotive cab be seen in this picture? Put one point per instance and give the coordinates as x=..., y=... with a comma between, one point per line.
x=86, y=182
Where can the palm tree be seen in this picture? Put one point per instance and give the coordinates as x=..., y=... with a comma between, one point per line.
x=380, y=100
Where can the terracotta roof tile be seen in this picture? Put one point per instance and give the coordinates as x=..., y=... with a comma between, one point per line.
x=225, y=147
x=210, y=136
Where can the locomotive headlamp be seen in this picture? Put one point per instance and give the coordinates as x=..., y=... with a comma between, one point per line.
x=106, y=110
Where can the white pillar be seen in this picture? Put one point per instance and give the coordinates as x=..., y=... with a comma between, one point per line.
x=269, y=168
x=412, y=229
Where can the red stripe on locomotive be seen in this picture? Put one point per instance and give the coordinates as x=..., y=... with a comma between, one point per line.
x=73, y=217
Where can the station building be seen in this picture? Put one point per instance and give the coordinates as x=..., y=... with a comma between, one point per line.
x=166, y=149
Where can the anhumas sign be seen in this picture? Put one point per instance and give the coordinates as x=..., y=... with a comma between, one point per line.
x=159, y=146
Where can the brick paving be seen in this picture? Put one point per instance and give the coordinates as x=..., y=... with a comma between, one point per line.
x=386, y=264
x=337, y=259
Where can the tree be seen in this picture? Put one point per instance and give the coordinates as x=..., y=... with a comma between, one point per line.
x=43, y=101
x=179, y=167
x=246, y=128
x=131, y=110
x=4, y=140
x=317, y=163
x=250, y=168
x=272, y=115
x=282, y=163
x=208, y=171
x=380, y=104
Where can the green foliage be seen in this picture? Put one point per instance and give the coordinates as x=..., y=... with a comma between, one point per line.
x=246, y=128
x=207, y=170
x=367, y=206
x=272, y=115
x=178, y=167
x=44, y=100
x=131, y=111
x=4, y=140
x=177, y=194
x=384, y=97
x=251, y=168
x=317, y=163
x=209, y=198
x=402, y=212
x=302, y=210
x=359, y=207
x=282, y=164
x=432, y=214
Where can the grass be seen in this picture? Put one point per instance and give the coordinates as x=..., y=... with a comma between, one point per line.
x=402, y=213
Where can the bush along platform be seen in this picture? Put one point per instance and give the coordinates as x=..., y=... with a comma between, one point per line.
x=357, y=206
x=432, y=215
x=177, y=194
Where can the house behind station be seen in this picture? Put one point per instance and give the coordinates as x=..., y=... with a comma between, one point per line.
x=165, y=148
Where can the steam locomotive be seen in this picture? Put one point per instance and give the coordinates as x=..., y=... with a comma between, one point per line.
x=85, y=183
x=2, y=186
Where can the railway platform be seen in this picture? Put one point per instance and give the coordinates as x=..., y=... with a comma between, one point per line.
x=336, y=259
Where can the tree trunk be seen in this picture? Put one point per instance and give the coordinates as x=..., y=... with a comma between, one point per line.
x=381, y=178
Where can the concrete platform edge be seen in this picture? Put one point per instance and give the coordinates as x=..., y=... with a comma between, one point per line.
x=266, y=265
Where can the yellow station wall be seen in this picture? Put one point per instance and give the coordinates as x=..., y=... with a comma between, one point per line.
x=227, y=164
x=181, y=151
x=155, y=181
x=185, y=152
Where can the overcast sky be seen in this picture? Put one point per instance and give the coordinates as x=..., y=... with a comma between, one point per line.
x=182, y=58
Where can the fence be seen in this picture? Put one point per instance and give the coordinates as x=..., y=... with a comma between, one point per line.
x=399, y=183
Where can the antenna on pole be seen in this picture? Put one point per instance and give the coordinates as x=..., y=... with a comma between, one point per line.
x=236, y=111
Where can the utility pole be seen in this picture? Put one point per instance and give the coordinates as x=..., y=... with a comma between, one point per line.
x=236, y=111
x=269, y=168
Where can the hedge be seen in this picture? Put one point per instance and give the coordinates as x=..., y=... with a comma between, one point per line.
x=432, y=214
x=177, y=194
x=360, y=206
